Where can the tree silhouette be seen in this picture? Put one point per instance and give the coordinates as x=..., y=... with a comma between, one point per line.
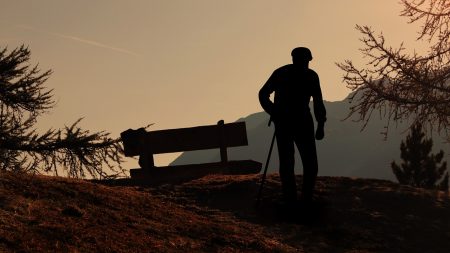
x=402, y=85
x=23, y=98
x=420, y=168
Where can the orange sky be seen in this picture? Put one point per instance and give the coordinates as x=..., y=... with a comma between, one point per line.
x=125, y=64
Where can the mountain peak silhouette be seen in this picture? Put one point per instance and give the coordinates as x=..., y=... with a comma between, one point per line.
x=346, y=150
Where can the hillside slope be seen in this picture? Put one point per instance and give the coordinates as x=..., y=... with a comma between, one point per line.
x=217, y=214
x=49, y=214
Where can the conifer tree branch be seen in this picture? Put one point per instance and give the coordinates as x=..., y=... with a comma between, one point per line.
x=73, y=150
x=401, y=85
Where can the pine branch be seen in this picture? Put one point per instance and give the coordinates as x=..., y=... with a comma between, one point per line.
x=23, y=98
x=402, y=86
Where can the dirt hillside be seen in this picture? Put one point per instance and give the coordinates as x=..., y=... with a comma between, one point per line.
x=217, y=214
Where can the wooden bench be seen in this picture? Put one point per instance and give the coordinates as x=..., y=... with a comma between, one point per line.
x=146, y=144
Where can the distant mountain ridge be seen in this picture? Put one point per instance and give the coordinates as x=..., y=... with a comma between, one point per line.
x=345, y=151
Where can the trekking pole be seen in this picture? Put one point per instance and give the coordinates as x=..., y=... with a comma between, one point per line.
x=258, y=200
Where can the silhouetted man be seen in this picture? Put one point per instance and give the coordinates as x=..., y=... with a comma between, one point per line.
x=294, y=85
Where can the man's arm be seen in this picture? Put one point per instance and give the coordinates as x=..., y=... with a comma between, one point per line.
x=264, y=94
x=319, y=108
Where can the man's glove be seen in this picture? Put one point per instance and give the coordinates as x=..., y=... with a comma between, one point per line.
x=320, y=133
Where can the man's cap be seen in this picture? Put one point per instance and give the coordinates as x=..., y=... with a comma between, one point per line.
x=302, y=52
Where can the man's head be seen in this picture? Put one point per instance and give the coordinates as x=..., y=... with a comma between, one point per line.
x=301, y=56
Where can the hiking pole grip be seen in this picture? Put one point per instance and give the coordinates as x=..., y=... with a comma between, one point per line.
x=258, y=200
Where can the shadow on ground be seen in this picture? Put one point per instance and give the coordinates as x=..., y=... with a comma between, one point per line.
x=348, y=214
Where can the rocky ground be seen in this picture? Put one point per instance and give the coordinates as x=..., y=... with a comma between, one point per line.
x=218, y=214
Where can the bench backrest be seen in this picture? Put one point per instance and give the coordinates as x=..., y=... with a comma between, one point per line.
x=185, y=139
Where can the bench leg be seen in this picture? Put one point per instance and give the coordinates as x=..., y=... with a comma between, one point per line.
x=146, y=161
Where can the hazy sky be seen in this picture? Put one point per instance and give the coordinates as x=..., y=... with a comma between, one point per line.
x=178, y=63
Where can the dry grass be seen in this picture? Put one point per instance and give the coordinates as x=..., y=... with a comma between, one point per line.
x=217, y=214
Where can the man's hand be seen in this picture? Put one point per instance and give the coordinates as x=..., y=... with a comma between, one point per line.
x=320, y=133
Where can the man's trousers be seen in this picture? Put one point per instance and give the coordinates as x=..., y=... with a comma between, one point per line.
x=301, y=133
